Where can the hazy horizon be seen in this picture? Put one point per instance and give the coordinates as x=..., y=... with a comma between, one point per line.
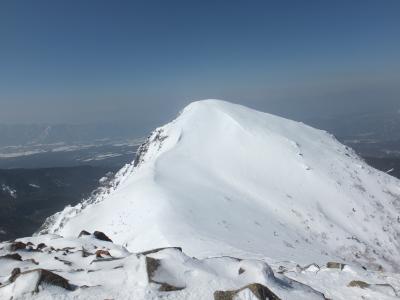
x=140, y=63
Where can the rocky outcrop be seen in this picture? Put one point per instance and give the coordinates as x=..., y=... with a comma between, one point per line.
x=14, y=274
x=101, y=236
x=102, y=253
x=83, y=233
x=14, y=246
x=152, y=266
x=259, y=291
x=97, y=234
x=112, y=271
x=358, y=283
x=39, y=276
x=384, y=288
x=41, y=246
x=13, y=256
x=158, y=250
x=155, y=139
x=335, y=265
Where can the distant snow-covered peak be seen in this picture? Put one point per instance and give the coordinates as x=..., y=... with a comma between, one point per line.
x=223, y=179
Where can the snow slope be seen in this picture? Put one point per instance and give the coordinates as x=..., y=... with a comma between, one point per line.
x=223, y=179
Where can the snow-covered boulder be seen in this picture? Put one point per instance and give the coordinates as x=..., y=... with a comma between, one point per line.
x=70, y=268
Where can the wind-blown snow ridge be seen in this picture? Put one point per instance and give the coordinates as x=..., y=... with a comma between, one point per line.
x=223, y=179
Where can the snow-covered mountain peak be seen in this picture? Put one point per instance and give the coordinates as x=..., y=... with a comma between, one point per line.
x=223, y=179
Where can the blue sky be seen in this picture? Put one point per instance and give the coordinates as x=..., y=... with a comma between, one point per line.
x=142, y=61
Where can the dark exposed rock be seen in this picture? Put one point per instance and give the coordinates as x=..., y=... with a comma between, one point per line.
x=358, y=283
x=260, y=291
x=83, y=233
x=66, y=249
x=231, y=257
x=14, y=273
x=84, y=286
x=53, y=279
x=100, y=253
x=165, y=287
x=142, y=150
x=156, y=137
x=152, y=265
x=335, y=265
x=282, y=270
x=85, y=253
x=390, y=290
x=13, y=256
x=105, y=259
x=101, y=236
x=241, y=270
x=41, y=246
x=65, y=262
x=50, y=249
x=17, y=246
x=45, y=276
x=158, y=250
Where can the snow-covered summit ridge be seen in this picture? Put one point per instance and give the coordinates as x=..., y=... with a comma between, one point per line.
x=223, y=179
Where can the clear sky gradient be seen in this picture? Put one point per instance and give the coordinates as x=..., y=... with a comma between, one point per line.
x=142, y=61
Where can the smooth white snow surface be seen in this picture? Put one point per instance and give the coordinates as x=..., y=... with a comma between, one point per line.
x=223, y=179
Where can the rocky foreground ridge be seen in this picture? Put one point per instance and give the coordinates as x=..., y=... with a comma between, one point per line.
x=91, y=266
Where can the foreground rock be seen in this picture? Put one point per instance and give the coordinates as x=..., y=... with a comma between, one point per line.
x=29, y=282
x=252, y=291
x=383, y=288
x=53, y=267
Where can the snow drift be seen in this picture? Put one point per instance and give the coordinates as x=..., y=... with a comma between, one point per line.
x=223, y=179
x=52, y=267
